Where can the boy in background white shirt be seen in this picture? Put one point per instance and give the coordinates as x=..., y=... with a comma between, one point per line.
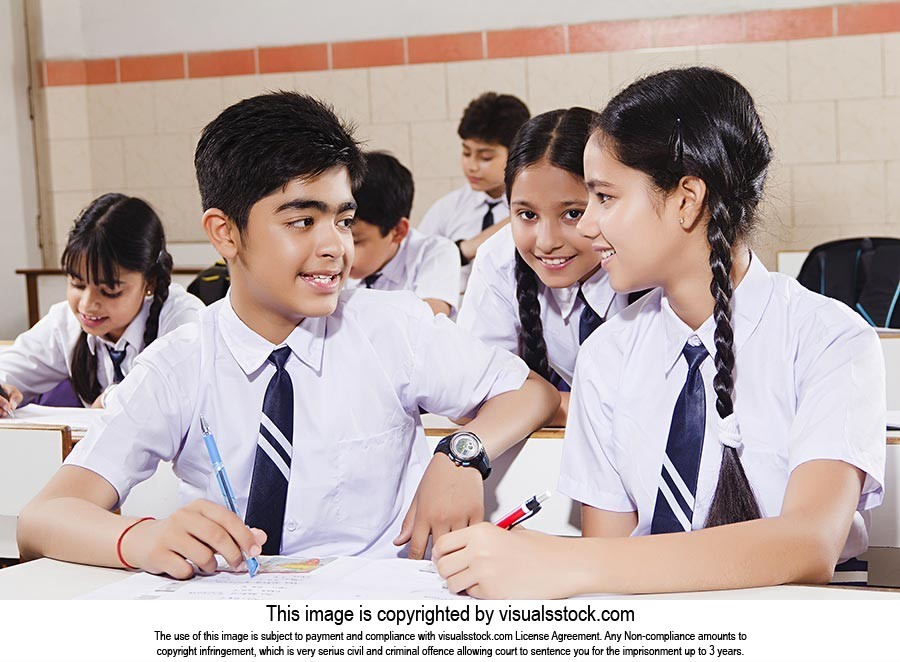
x=390, y=255
x=314, y=395
x=470, y=215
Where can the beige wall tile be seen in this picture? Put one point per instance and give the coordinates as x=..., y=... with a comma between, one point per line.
x=892, y=186
x=871, y=230
x=835, y=68
x=776, y=208
x=806, y=237
x=409, y=93
x=891, y=45
x=347, y=91
x=435, y=149
x=562, y=81
x=428, y=191
x=802, y=132
x=840, y=195
x=761, y=68
x=66, y=208
x=869, y=129
x=159, y=161
x=70, y=165
x=627, y=66
x=181, y=213
x=237, y=88
x=121, y=110
x=467, y=80
x=107, y=164
x=394, y=138
x=66, y=111
x=184, y=105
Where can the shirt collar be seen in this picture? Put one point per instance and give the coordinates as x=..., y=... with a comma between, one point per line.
x=251, y=350
x=482, y=199
x=133, y=335
x=747, y=307
x=597, y=293
x=395, y=270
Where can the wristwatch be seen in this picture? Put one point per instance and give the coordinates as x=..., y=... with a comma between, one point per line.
x=466, y=450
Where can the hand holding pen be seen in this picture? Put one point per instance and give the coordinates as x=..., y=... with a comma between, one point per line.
x=10, y=398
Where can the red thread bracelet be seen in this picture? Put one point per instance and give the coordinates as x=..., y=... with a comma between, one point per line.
x=119, y=542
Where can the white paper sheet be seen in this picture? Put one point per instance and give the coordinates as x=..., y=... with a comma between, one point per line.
x=342, y=578
x=77, y=418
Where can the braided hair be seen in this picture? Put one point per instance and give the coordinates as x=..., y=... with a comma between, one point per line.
x=112, y=232
x=701, y=122
x=557, y=137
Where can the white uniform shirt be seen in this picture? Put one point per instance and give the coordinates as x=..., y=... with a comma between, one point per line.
x=359, y=377
x=41, y=357
x=426, y=265
x=459, y=215
x=490, y=310
x=809, y=385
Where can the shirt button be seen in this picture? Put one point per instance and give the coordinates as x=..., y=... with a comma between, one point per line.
x=694, y=341
x=291, y=525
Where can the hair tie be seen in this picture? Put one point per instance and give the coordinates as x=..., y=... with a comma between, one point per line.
x=730, y=432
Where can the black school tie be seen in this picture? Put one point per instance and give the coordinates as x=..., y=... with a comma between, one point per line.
x=589, y=320
x=674, y=509
x=272, y=466
x=370, y=279
x=488, y=219
x=117, y=356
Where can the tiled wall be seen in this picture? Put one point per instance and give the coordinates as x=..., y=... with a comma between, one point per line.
x=831, y=104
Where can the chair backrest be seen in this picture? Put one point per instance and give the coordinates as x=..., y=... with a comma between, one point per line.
x=29, y=456
x=864, y=273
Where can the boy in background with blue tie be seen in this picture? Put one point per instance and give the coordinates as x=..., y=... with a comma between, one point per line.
x=313, y=394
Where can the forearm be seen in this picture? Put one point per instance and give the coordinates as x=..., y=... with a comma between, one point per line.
x=562, y=412
x=764, y=552
x=70, y=529
x=470, y=247
x=508, y=418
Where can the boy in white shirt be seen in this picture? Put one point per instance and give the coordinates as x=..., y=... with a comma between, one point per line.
x=389, y=254
x=313, y=395
x=469, y=215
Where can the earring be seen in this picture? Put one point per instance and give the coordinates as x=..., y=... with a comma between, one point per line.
x=681, y=221
x=149, y=293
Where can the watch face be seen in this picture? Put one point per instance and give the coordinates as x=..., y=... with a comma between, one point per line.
x=465, y=447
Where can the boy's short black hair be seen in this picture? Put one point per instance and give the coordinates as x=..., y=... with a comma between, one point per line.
x=261, y=144
x=386, y=192
x=493, y=118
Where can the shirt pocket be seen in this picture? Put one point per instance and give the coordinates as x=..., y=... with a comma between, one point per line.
x=371, y=473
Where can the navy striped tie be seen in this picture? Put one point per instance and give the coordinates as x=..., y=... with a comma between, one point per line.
x=674, y=509
x=117, y=356
x=272, y=467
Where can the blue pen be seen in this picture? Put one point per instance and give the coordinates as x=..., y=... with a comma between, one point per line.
x=224, y=484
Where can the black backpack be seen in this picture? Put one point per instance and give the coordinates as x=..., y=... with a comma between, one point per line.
x=863, y=273
x=211, y=284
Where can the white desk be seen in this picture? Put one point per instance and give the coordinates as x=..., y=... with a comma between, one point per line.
x=48, y=579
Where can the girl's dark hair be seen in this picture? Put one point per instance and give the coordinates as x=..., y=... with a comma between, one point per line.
x=701, y=122
x=557, y=137
x=113, y=232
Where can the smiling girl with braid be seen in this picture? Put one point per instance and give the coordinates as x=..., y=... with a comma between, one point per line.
x=536, y=287
x=725, y=431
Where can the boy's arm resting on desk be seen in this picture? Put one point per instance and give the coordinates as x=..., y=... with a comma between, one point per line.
x=70, y=520
x=802, y=545
x=451, y=497
x=469, y=247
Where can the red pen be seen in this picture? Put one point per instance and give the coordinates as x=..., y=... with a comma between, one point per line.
x=523, y=512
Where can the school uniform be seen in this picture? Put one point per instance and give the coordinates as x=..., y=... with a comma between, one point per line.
x=355, y=450
x=462, y=214
x=490, y=310
x=426, y=265
x=41, y=357
x=809, y=385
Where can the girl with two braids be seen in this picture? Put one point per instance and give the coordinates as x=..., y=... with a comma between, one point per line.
x=536, y=287
x=120, y=298
x=725, y=431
